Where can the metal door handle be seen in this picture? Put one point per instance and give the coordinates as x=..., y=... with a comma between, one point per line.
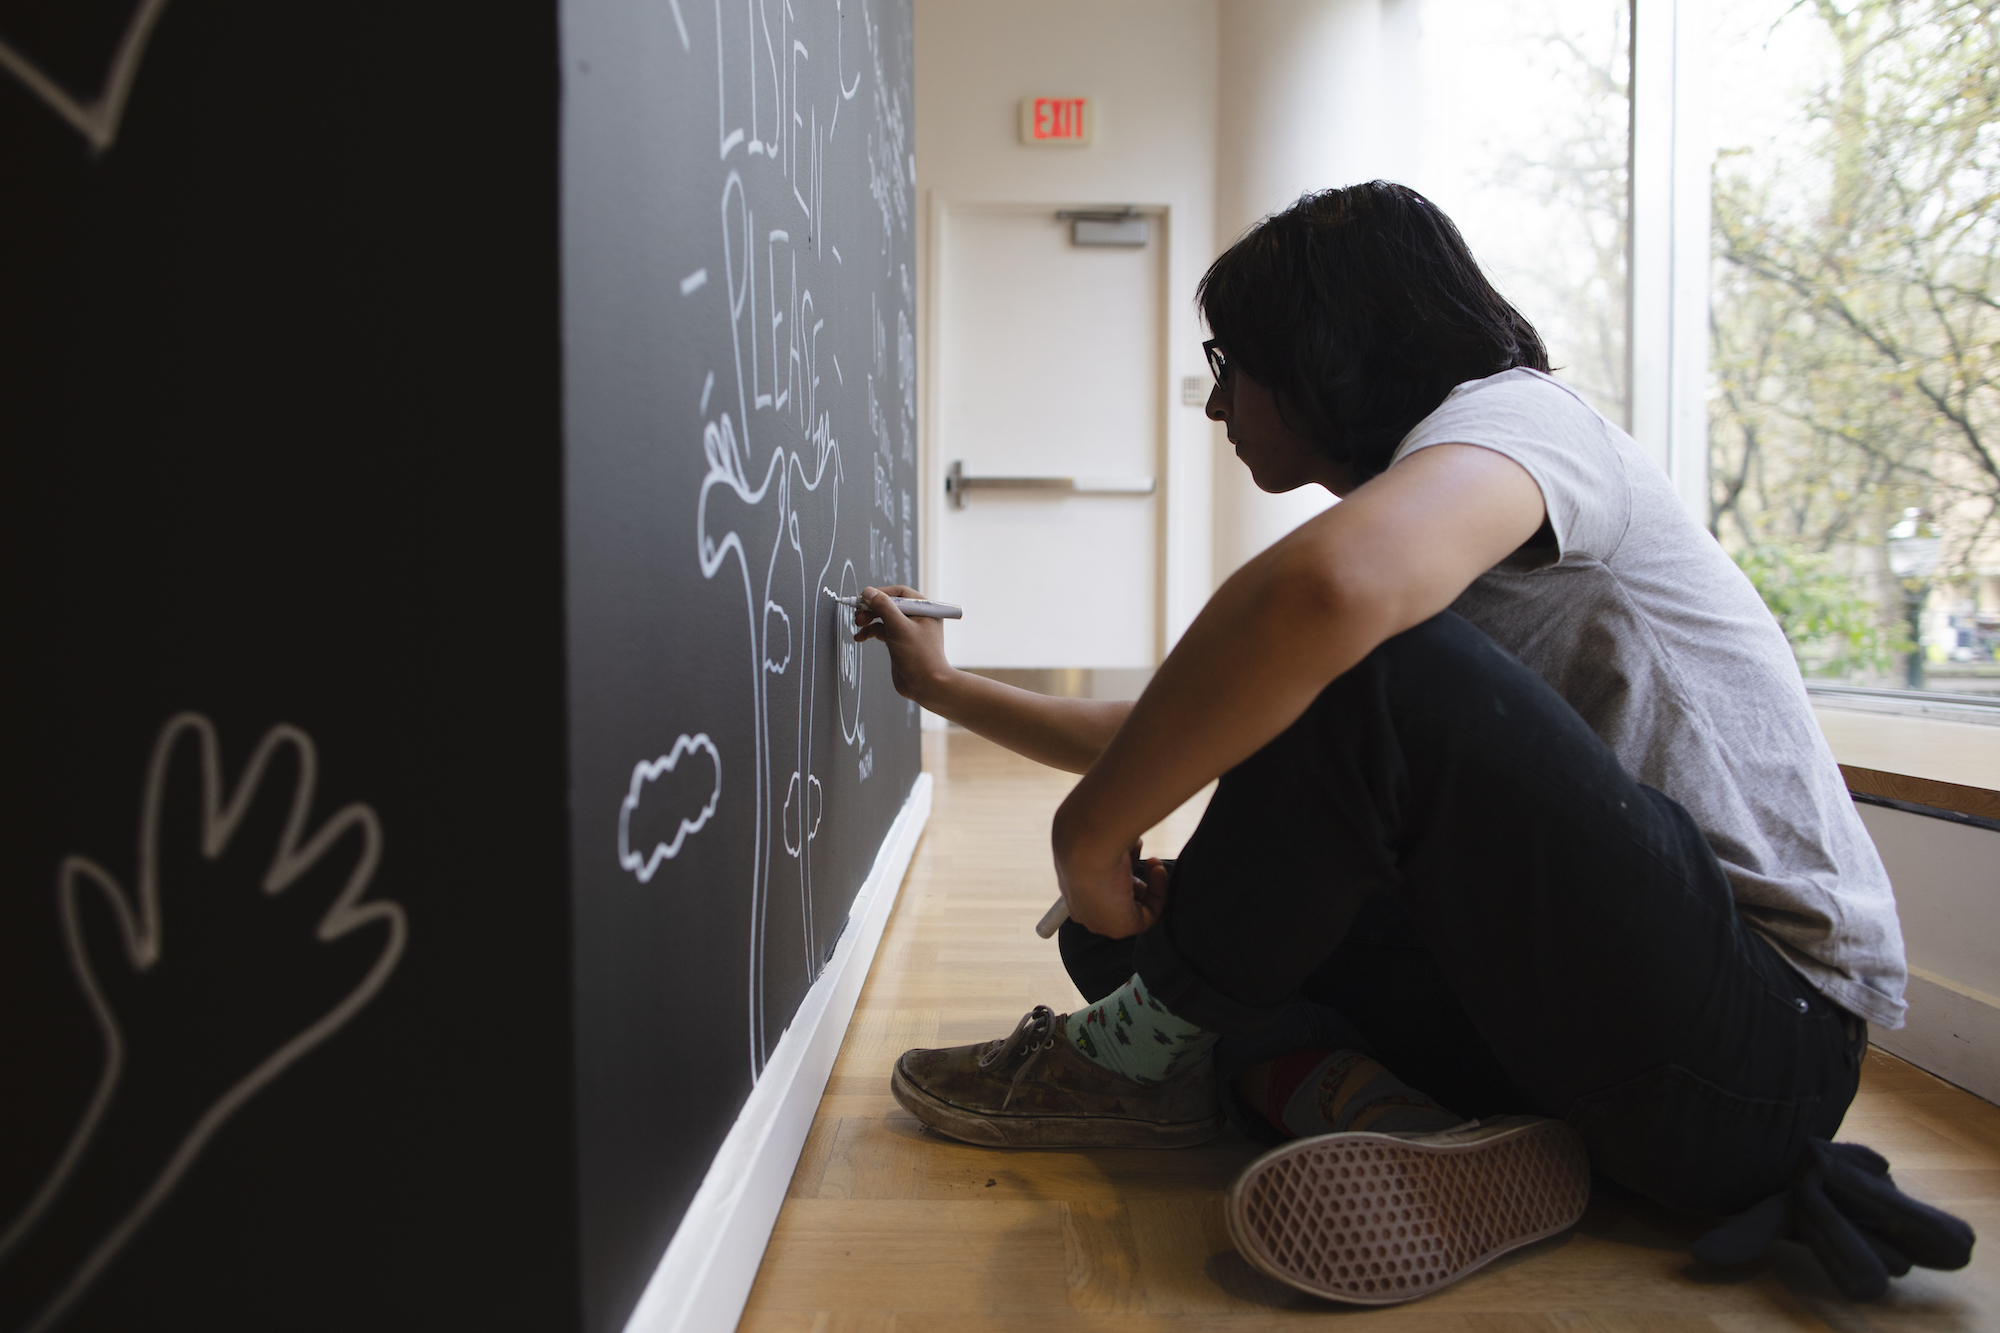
x=956, y=484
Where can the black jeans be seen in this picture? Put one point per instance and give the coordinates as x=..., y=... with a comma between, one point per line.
x=1442, y=850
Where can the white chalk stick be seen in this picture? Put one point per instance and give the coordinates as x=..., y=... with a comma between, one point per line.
x=909, y=606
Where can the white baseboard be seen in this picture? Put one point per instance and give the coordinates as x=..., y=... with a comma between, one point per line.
x=705, y=1276
x=1952, y=1031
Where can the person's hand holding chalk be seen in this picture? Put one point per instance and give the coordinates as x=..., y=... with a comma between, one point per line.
x=909, y=606
x=1149, y=888
x=915, y=643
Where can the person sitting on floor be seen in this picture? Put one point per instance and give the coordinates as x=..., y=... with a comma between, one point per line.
x=1527, y=854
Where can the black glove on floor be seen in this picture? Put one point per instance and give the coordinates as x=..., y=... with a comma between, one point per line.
x=1846, y=1209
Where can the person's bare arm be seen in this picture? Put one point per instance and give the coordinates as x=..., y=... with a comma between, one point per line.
x=1394, y=553
x=1062, y=733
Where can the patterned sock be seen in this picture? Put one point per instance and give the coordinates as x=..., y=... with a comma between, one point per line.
x=1330, y=1092
x=1131, y=1034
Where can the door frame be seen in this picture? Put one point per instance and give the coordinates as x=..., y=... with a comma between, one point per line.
x=931, y=468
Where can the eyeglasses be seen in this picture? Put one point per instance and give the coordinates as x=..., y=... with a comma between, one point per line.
x=1218, y=364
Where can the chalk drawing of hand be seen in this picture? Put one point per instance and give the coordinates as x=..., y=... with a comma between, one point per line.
x=245, y=945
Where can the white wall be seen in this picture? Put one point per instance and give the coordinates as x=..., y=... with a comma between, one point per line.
x=1151, y=66
x=1947, y=879
x=1314, y=94
x=1948, y=896
x=1947, y=887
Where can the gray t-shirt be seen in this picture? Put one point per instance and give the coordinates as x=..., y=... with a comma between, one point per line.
x=1651, y=632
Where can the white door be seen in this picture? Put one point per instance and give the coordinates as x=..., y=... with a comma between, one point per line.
x=1047, y=366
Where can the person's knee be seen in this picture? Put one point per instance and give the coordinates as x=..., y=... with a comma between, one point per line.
x=1435, y=658
x=1447, y=645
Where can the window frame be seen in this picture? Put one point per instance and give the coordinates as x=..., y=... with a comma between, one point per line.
x=1667, y=269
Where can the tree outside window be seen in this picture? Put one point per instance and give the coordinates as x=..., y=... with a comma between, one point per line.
x=1855, y=368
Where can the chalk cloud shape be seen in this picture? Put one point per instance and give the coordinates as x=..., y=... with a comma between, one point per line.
x=647, y=771
x=777, y=633
x=803, y=804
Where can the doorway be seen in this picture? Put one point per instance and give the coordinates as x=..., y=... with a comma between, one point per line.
x=1046, y=443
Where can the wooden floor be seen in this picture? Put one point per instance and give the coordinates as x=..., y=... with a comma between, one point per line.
x=888, y=1226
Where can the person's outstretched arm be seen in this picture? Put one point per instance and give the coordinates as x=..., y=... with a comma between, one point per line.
x=1394, y=553
x=1063, y=733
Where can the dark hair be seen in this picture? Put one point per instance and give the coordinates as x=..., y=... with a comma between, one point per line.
x=1360, y=309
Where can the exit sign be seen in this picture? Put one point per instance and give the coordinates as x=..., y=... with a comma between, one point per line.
x=1057, y=121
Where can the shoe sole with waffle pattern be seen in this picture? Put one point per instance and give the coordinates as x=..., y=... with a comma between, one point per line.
x=1378, y=1219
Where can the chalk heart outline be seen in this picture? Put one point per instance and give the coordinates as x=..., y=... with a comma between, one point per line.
x=139, y=929
x=98, y=119
x=647, y=770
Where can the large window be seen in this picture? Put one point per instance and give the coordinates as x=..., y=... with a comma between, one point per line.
x=1524, y=144
x=1853, y=320
x=1854, y=422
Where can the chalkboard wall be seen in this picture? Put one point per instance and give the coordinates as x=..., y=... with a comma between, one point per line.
x=433, y=776
x=739, y=321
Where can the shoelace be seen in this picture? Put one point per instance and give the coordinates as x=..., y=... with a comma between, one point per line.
x=1035, y=1034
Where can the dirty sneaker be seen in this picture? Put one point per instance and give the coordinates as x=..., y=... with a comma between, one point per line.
x=1377, y=1219
x=1034, y=1089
